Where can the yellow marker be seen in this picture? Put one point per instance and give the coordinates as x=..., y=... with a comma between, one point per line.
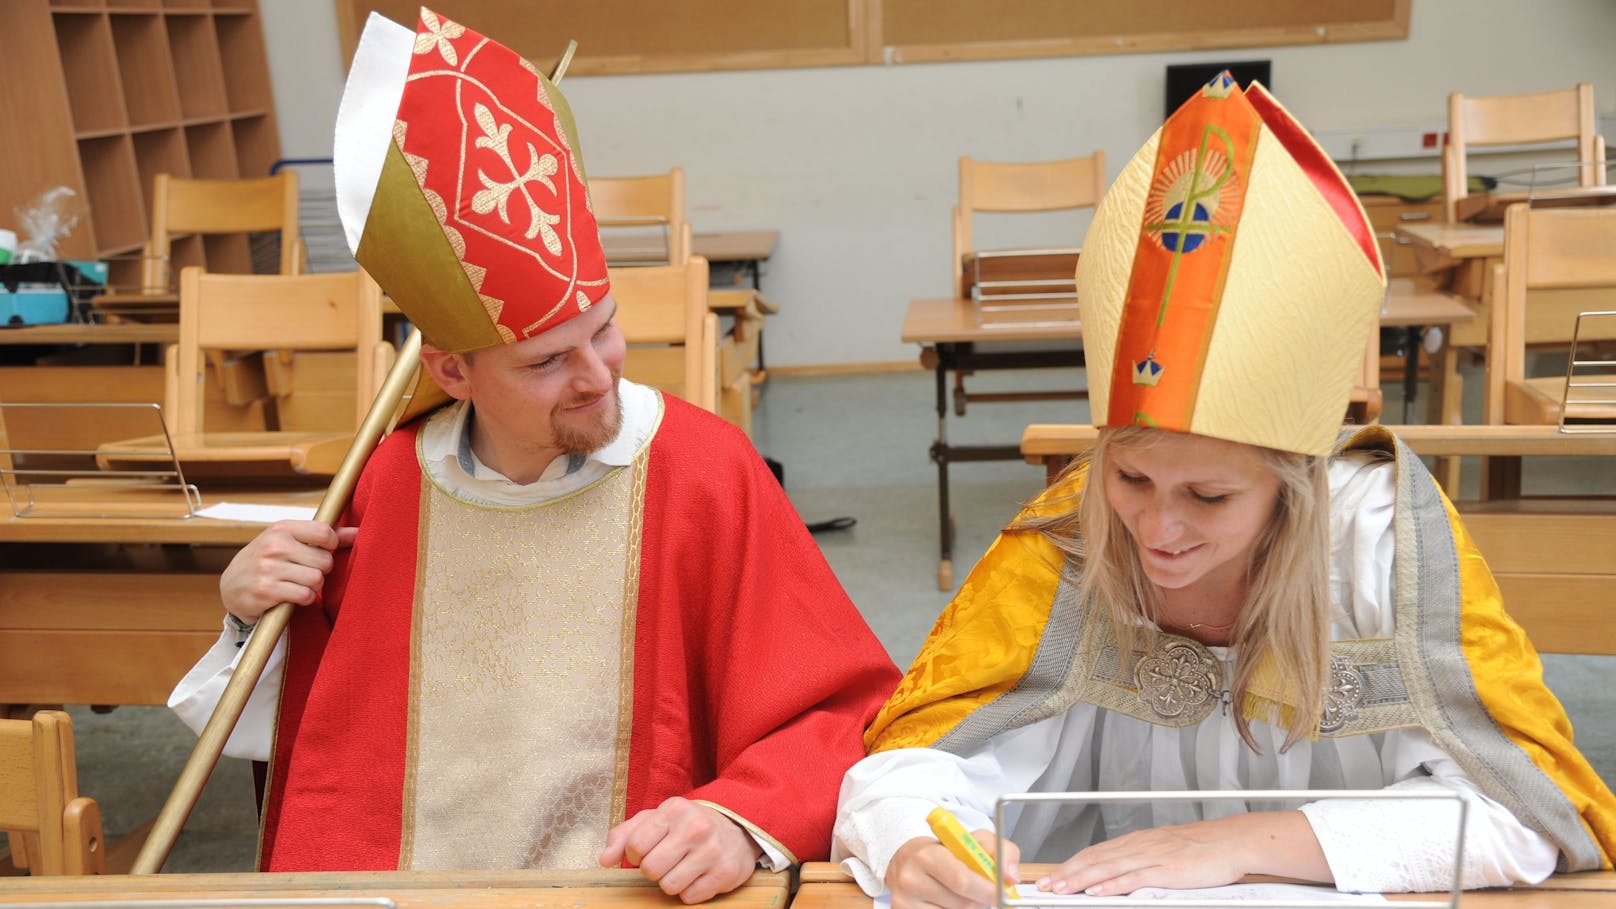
x=953, y=835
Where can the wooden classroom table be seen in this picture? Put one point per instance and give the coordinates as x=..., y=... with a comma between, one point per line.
x=948, y=333
x=605, y=889
x=114, y=610
x=826, y=886
x=93, y=333
x=1414, y=310
x=1458, y=258
x=746, y=249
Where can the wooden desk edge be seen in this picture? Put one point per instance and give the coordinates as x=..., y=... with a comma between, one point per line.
x=828, y=879
x=768, y=887
x=1041, y=442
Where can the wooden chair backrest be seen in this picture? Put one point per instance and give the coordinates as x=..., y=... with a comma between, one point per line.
x=993, y=186
x=52, y=828
x=1558, y=262
x=210, y=207
x=297, y=318
x=672, y=336
x=655, y=200
x=1525, y=119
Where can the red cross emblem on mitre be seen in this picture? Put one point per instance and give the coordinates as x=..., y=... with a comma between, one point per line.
x=479, y=227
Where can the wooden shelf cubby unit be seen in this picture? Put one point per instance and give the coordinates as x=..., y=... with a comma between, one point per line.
x=230, y=253
x=241, y=41
x=213, y=151
x=94, y=89
x=114, y=92
x=159, y=151
x=148, y=78
x=112, y=183
x=197, y=67
x=254, y=138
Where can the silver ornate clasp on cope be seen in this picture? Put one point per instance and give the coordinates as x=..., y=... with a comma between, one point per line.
x=1178, y=677
x=1343, y=697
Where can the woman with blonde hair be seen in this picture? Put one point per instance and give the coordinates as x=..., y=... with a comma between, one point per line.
x=1229, y=593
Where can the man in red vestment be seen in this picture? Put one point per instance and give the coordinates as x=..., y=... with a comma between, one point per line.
x=566, y=620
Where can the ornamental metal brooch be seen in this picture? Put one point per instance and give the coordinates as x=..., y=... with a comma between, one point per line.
x=1178, y=677
x=1343, y=697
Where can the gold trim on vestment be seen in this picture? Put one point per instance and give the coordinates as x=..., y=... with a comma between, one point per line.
x=631, y=603
x=406, y=841
x=751, y=828
x=1180, y=682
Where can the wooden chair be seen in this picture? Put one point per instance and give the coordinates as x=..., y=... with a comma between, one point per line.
x=51, y=828
x=655, y=201
x=658, y=201
x=1526, y=119
x=1040, y=186
x=207, y=223
x=325, y=361
x=1558, y=262
x=673, y=338
x=222, y=212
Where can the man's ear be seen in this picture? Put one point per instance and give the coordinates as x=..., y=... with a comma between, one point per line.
x=448, y=370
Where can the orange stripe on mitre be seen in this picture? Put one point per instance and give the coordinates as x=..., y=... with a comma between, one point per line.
x=1191, y=215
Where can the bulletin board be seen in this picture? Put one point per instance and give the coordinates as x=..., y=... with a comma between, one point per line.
x=640, y=36
x=637, y=36
x=929, y=30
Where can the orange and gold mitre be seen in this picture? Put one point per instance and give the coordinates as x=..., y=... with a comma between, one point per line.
x=1229, y=281
x=460, y=185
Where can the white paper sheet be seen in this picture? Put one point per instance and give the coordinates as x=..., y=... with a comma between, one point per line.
x=1302, y=894
x=256, y=514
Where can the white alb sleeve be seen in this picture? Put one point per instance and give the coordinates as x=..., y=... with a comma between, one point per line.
x=196, y=695
x=885, y=797
x=1388, y=846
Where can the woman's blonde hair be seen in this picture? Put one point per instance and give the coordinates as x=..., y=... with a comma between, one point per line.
x=1286, y=617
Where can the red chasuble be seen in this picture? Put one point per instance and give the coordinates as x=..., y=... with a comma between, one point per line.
x=753, y=674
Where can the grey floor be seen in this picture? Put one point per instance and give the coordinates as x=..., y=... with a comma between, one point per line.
x=854, y=446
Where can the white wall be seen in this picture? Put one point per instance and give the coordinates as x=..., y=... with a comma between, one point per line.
x=856, y=166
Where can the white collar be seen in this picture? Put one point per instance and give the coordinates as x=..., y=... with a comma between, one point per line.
x=445, y=450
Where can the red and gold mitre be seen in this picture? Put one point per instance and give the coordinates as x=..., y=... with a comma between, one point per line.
x=1229, y=281
x=460, y=185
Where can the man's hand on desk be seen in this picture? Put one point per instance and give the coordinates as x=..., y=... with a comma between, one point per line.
x=287, y=563
x=691, y=850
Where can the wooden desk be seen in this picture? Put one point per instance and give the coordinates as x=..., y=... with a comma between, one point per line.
x=1413, y=308
x=826, y=886
x=114, y=610
x=606, y=889
x=741, y=345
x=745, y=249
x=1459, y=259
x=948, y=333
x=1490, y=207
x=93, y=333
